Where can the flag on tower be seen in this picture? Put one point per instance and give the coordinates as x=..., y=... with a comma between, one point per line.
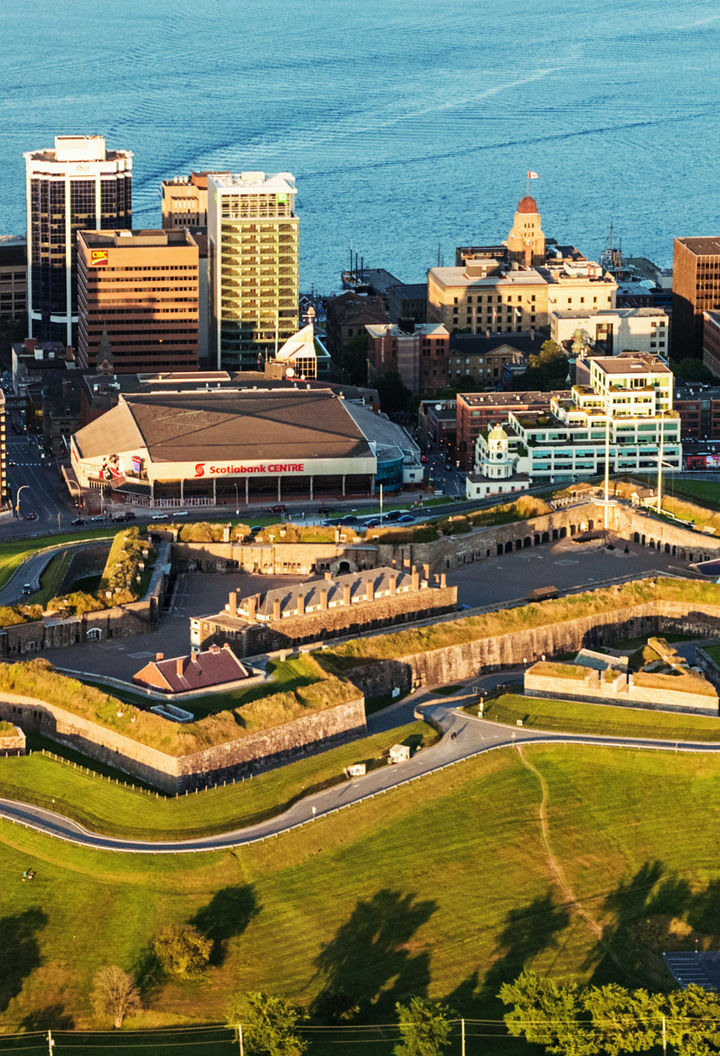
x=533, y=175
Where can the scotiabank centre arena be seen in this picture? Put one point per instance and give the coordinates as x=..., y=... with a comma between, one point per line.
x=227, y=447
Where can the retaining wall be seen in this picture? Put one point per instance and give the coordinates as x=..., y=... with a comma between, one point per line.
x=217, y=763
x=456, y=662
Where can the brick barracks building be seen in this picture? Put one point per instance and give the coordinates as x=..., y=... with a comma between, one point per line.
x=140, y=289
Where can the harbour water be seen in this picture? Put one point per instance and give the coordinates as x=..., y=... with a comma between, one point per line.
x=409, y=125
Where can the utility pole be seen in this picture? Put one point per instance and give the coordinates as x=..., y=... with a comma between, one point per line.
x=51, y=1043
x=664, y=1036
x=462, y=1037
x=661, y=455
x=240, y=1038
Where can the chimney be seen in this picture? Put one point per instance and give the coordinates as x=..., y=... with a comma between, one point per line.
x=369, y=590
x=392, y=583
x=443, y=580
x=323, y=599
x=328, y=575
x=426, y=572
x=251, y=607
x=276, y=608
x=159, y=657
x=179, y=665
x=415, y=582
x=232, y=600
x=346, y=594
x=193, y=657
x=300, y=604
x=30, y=344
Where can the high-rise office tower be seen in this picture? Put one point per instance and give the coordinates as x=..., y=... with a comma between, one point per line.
x=78, y=185
x=253, y=266
x=140, y=290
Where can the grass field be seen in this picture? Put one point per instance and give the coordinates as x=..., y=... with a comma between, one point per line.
x=442, y=886
x=105, y=805
x=577, y=717
x=51, y=579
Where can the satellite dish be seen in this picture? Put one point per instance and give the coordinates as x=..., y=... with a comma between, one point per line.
x=290, y=372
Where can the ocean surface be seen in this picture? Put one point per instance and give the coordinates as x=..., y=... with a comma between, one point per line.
x=409, y=125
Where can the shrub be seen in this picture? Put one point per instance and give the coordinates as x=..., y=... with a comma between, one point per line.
x=182, y=950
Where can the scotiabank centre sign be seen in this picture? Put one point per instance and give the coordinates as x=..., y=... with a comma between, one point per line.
x=234, y=469
x=209, y=470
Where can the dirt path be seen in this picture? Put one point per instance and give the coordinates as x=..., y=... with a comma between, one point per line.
x=569, y=896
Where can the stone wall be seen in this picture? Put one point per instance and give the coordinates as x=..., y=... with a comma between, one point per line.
x=457, y=662
x=622, y=690
x=277, y=558
x=174, y=774
x=12, y=743
x=250, y=639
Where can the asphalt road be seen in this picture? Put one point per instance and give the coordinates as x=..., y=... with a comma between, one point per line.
x=463, y=737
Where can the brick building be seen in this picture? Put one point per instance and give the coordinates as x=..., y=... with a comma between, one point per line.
x=479, y=411
x=418, y=353
x=347, y=316
x=141, y=289
x=696, y=290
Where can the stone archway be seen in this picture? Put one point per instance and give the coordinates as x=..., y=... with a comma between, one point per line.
x=527, y=541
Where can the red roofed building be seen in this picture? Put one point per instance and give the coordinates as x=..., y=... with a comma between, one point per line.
x=181, y=674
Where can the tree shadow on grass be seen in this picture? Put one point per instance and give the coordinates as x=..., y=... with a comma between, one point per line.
x=52, y=1017
x=372, y=961
x=650, y=914
x=526, y=933
x=225, y=916
x=19, y=951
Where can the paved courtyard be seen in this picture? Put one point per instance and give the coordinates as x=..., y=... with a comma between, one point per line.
x=564, y=565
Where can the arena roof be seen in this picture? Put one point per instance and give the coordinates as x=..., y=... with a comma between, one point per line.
x=222, y=424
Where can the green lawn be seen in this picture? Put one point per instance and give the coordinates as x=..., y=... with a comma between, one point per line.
x=288, y=674
x=51, y=579
x=105, y=804
x=577, y=717
x=442, y=886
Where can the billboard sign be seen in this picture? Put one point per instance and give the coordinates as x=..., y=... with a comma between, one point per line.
x=98, y=258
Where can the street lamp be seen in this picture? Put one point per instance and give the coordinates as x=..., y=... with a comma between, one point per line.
x=237, y=501
x=17, y=498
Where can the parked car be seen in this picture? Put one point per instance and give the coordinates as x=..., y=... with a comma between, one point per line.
x=78, y=520
x=279, y=507
x=98, y=517
x=255, y=528
x=405, y=518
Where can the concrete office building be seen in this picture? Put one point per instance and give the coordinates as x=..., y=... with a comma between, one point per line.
x=185, y=201
x=252, y=266
x=611, y=331
x=140, y=290
x=77, y=185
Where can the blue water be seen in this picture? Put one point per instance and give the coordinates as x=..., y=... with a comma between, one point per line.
x=408, y=125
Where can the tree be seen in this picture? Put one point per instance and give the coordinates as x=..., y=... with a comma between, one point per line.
x=182, y=950
x=115, y=994
x=692, y=1018
x=424, y=1028
x=269, y=1024
x=624, y=1020
x=548, y=1013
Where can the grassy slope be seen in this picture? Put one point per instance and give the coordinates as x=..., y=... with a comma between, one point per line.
x=605, y=719
x=442, y=886
x=104, y=806
x=12, y=555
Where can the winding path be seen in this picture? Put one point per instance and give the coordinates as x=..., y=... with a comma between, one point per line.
x=463, y=738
